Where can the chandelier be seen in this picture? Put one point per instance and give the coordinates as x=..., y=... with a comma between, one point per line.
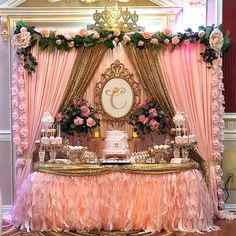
x=115, y=18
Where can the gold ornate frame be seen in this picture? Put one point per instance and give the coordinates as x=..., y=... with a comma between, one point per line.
x=116, y=70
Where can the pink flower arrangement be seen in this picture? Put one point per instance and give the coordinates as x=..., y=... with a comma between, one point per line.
x=148, y=117
x=79, y=117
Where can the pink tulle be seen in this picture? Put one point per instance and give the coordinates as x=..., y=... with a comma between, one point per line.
x=174, y=202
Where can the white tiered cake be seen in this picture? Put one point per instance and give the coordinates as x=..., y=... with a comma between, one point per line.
x=116, y=144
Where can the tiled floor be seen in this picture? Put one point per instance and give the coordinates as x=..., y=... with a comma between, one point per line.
x=228, y=228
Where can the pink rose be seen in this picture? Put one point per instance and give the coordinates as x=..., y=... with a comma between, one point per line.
x=216, y=39
x=90, y=122
x=83, y=32
x=145, y=120
x=15, y=115
x=15, y=103
x=221, y=86
x=78, y=121
x=153, y=112
x=71, y=44
x=16, y=140
x=23, y=120
x=44, y=33
x=22, y=95
x=147, y=35
x=59, y=117
x=140, y=43
x=126, y=38
x=166, y=41
x=141, y=118
x=116, y=40
x=58, y=41
x=201, y=33
x=175, y=40
x=21, y=83
x=85, y=111
x=167, y=32
x=154, y=41
x=23, y=30
x=116, y=33
x=20, y=162
x=214, y=93
x=186, y=42
x=24, y=133
x=24, y=144
x=96, y=35
x=154, y=124
x=69, y=35
x=215, y=119
x=21, y=40
x=16, y=128
x=22, y=107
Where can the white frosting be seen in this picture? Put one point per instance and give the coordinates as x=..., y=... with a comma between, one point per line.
x=116, y=142
x=47, y=120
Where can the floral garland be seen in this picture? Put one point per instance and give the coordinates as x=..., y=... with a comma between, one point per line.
x=26, y=37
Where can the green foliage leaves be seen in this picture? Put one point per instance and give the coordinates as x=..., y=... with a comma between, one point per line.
x=110, y=39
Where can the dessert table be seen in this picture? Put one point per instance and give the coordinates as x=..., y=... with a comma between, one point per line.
x=173, y=197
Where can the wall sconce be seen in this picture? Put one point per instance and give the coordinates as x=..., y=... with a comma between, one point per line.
x=4, y=28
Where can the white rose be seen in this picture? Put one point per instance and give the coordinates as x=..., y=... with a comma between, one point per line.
x=216, y=39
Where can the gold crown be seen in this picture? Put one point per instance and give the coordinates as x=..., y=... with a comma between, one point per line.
x=115, y=18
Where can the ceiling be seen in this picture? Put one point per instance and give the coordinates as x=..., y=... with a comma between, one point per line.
x=79, y=3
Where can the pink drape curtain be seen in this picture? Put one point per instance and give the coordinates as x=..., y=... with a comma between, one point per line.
x=43, y=92
x=189, y=83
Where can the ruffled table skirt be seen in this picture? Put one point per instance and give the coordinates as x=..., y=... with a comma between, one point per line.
x=115, y=201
